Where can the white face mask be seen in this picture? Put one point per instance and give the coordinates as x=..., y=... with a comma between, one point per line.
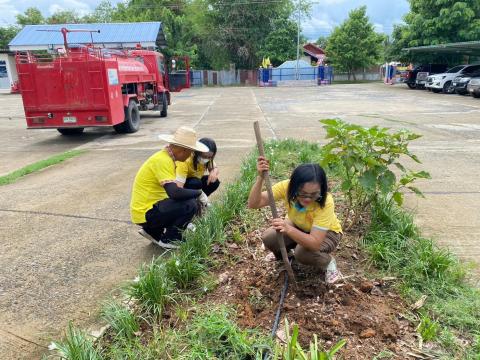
x=203, y=161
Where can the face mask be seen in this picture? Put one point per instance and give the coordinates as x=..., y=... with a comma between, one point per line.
x=203, y=160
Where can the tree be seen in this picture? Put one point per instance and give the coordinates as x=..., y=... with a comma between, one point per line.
x=103, y=13
x=64, y=17
x=280, y=44
x=433, y=22
x=322, y=42
x=7, y=34
x=354, y=44
x=31, y=16
x=242, y=27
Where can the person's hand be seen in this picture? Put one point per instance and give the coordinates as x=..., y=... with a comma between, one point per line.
x=280, y=225
x=212, y=176
x=262, y=165
x=203, y=198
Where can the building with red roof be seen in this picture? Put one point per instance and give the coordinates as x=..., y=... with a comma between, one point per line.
x=315, y=53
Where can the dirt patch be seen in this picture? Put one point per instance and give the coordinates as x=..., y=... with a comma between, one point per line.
x=366, y=312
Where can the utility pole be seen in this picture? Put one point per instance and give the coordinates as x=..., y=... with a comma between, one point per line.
x=298, y=37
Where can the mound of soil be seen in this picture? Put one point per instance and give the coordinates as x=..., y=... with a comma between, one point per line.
x=366, y=312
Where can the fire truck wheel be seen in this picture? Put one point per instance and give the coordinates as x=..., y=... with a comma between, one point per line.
x=163, y=112
x=132, y=119
x=70, y=131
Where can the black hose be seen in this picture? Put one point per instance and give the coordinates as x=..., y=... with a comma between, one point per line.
x=280, y=306
x=267, y=354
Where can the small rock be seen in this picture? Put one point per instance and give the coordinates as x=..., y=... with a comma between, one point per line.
x=223, y=278
x=233, y=246
x=368, y=333
x=376, y=291
x=281, y=335
x=366, y=286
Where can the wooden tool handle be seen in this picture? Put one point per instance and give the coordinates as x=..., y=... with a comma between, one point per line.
x=273, y=207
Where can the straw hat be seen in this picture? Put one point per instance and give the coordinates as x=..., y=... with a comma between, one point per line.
x=185, y=137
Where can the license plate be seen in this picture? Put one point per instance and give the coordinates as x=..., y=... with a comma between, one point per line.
x=454, y=84
x=69, y=119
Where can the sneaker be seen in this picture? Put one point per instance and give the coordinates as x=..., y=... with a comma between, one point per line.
x=191, y=227
x=332, y=275
x=160, y=243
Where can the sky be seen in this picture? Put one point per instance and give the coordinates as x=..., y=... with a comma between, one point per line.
x=326, y=14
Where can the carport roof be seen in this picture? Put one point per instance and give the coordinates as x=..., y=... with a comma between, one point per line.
x=461, y=48
x=111, y=35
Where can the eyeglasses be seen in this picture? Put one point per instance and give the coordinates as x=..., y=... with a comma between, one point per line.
x=313, y=196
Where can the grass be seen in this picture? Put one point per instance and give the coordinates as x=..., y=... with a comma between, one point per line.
x=122, y=321
x=154, y=289
x=77, y=346
x=396, y=246
x=37, y=166
x=394, y=243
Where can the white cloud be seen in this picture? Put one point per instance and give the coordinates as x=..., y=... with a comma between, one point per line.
x=380, y=28
x=79, y=7
x=8, y=12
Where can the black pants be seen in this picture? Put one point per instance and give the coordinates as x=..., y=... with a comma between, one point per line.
x=167, y=218
x=201, y=184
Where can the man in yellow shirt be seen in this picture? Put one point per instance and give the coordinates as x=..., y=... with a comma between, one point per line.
x=158, y=205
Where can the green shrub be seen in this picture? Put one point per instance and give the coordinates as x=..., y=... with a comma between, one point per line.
x=365, y=158
x=154, y=289
x=428, y=328
x=123, y=322
x=77, y=346
x=294, y=351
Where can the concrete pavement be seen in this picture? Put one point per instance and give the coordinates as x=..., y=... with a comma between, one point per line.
x=65, y=233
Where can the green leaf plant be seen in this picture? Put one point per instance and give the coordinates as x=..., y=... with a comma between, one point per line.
x=369, y=163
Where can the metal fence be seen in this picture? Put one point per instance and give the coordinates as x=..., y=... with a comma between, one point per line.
x=223, y=77
x=318, y=75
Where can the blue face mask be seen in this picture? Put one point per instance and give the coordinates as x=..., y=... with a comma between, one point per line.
x=299, y=207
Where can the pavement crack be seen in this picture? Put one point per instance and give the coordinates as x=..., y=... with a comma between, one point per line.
x=206, y=111
x=65, y=215
x=23, y=339
x=265, y=118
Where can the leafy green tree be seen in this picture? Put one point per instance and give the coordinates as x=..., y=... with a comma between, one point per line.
x=242, y=27
x=64, y=17
x=280, y=44
x=7, y=34
x=31, y=16
x=103, y=13
x=322, y=42
x=354, y=44
x=433, y=22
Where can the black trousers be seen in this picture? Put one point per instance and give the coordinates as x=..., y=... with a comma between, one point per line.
x=201, y=184
x=167, y=218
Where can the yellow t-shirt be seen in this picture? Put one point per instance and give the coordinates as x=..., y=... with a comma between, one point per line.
x=148, y=189
x=186, y=170
x=311, y=217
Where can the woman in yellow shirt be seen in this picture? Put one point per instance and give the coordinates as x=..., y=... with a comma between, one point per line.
x=311, y=226
x=199, y=171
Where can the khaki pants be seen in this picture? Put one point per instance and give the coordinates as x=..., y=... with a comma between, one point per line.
x=318, y=259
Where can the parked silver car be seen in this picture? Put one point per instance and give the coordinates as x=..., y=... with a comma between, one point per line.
x=473, y=87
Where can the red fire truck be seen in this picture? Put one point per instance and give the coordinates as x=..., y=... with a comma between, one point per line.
x=84, y=86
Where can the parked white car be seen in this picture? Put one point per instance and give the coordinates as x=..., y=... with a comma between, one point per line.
x=443, y=82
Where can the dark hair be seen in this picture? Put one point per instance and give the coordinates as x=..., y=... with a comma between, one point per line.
x=212, y=146
x=308, y=173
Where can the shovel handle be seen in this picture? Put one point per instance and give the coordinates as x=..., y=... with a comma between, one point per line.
x=273, y=206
